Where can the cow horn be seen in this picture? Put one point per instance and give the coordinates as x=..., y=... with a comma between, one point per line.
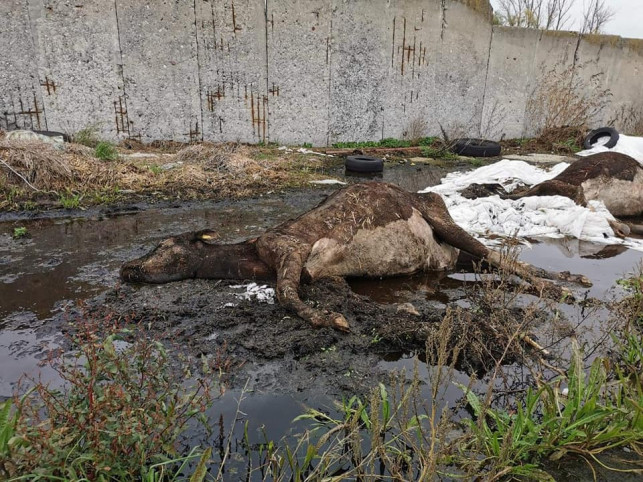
x=207, y=235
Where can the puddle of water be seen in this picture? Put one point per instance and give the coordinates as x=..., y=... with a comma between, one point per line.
x=22, y=353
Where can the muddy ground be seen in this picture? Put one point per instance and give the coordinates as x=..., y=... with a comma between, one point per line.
x=74, y=259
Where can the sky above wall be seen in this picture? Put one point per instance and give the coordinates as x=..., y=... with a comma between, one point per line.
x=626, y=22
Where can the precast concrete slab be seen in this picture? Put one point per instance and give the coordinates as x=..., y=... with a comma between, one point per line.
x=78, y=60
x=299, y=68
x=160, y=70
x=231, y=39
x=21, y=104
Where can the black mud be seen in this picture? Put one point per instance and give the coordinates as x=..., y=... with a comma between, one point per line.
x=276, y=350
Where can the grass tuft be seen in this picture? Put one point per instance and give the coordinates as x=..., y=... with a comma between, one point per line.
x=118, y=418
x=106, y=151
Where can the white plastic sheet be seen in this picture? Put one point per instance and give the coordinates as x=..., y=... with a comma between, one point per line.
x=537, y=216
x=632, y=146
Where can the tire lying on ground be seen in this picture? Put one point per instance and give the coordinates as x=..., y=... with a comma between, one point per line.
x=594, y=138
x=64, y=136
x=364, y=164
x=475, y=147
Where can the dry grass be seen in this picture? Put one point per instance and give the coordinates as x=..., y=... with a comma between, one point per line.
x=33, y=171
x=416, y=130
x=562, y=98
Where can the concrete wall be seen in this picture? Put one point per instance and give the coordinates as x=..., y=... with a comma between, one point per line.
x=291, y=71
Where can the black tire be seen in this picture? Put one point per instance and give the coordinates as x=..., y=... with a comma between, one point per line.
x=364, y=164
x=476, y=147
x=592, y=138
x=65, y=137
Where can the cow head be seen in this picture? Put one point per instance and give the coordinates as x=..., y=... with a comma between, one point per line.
x=176, y=258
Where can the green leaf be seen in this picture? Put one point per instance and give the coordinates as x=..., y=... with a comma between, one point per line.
x=202, y=469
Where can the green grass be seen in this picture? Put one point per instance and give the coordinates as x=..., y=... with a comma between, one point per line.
x=439, y=153
x=106, y=151
x=389, y=142
x=20, y=232
x=155, y=169
x=87, y=137
x=70, y=200
x=572, y=145
x=356, y=145
x=595, y=412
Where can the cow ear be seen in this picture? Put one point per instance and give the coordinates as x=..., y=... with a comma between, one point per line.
x=207, y=236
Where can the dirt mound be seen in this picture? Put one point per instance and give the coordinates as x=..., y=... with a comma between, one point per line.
x=34, y=174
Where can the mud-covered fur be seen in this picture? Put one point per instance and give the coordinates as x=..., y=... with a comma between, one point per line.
x=611, y=177
x=371, y=229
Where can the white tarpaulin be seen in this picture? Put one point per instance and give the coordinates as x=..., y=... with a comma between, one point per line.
x=537, y=216
x=632, y=146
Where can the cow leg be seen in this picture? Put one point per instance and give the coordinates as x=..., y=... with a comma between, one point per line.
x=437, y=215
x=289, y=255
x=636, y=228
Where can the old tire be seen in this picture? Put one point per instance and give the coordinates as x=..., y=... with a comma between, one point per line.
x=592, y=139
x=476, y=147
x=65, y=137
x=364, y=164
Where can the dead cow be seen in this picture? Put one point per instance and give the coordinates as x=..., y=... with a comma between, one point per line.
x=364, y=230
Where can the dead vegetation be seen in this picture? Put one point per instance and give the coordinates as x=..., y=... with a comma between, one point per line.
x=563, y=99
x=35, y=175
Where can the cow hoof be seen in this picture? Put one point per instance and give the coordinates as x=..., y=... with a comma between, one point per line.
x=334, y=320
x=575, y=278
x=339, y=322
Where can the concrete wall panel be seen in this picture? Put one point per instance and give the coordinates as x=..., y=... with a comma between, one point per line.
x=21, y=104
x=555, y=57
x=511, y=64
x=360, y=53
x=520, y=60
x=232, y=69
x=414, y=48
x=158, y=45
x=461, y=69
x=299, y=60
x=78, y=60
x=615, y=66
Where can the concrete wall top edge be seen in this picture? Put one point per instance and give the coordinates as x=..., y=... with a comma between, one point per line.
x=599, y=39
x=481, y=6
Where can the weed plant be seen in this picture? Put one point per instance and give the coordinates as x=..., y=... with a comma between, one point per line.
x=105, y=151
x=70, y=200
x=389, y=142
x=118, y=417
x=439, y=153
x=20, y=232
x=87, y=137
